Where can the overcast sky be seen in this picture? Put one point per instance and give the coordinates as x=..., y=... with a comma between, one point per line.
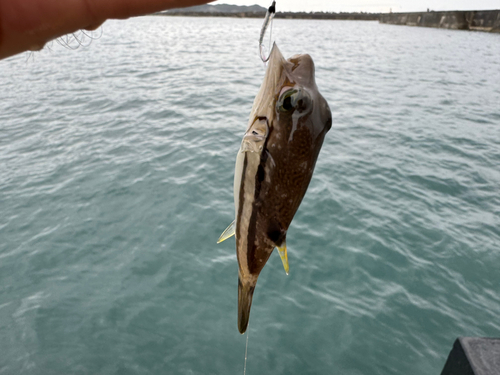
x=370, y=5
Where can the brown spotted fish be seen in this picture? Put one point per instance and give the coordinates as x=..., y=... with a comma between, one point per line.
x=274, y=165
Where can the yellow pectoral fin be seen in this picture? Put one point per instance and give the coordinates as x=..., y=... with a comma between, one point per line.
x=284, y=256
x=229, y=232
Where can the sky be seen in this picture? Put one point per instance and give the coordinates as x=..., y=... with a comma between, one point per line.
x=373, y=6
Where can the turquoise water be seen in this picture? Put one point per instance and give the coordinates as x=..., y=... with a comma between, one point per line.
x=116, y=169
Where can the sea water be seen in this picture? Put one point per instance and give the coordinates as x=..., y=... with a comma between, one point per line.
x=116, y=171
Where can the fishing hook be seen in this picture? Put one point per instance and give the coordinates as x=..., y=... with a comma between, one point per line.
x=267, y=20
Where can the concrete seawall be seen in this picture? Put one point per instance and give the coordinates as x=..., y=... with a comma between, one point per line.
x=482, y=20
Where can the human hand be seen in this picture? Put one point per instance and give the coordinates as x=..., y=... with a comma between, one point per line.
x=27, y=25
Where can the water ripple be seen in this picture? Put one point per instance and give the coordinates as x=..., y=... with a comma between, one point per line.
x=116, y=170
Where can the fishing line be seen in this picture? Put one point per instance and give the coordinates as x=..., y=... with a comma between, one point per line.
x=246, y=356
x=268, y=20
x=80, y=38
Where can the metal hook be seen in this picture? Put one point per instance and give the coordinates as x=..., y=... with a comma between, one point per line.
x=267, y=20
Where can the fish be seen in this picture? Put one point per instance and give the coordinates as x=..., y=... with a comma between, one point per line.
x=274, y=165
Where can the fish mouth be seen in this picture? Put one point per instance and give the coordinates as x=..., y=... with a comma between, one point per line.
x=274, y=79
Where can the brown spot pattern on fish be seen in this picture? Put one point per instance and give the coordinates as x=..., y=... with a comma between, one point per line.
x=274, y=166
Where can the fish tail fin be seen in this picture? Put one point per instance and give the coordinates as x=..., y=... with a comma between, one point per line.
x=245, y=295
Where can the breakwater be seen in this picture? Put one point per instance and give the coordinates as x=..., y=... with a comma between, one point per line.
x=484, y=20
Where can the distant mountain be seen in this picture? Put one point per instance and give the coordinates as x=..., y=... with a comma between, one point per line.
x=220, y=8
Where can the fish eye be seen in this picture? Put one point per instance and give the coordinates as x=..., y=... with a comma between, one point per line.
x=293, y=99
x=287, y=104
x=287, y=101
